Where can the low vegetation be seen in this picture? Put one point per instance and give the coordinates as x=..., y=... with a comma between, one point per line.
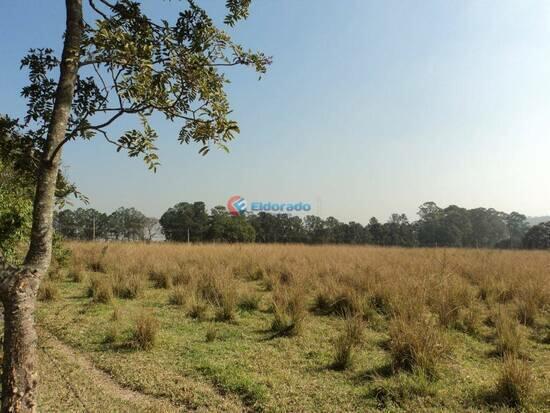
x=303, y=328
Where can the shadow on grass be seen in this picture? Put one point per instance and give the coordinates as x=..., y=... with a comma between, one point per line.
x=383, y=371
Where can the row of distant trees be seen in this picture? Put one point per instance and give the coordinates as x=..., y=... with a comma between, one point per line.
x=127, y=224
x=452, y=226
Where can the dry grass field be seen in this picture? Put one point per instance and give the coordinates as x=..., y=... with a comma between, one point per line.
x=164, y=327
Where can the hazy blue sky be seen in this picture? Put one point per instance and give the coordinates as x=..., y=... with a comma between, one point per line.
x=370, y=107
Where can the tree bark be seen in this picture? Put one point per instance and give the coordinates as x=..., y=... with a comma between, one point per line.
x=19, y=287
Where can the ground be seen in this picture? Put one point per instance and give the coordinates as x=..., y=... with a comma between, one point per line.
x=89, y=359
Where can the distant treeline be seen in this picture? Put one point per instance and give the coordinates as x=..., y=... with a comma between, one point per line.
x=445, y=227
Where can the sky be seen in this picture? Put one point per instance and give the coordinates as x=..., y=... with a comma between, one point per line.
x=369, y=108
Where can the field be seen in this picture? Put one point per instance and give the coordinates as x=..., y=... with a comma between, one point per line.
x=165, y=327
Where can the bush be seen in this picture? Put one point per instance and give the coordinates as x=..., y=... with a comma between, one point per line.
x=145, y=331
x=514, y=385
x=48, y=291
x=100, y=289
x=350, y=338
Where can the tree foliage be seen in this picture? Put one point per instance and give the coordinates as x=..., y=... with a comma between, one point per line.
x=132, y=65
x=538, y=236
x=446, y=227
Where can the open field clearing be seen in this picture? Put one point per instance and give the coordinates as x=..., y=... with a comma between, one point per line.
x=166, y=327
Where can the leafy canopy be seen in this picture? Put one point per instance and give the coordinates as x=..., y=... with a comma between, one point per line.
x=132, y=65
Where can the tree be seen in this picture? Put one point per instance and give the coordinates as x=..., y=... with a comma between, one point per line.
x=376, y=231
x=151, y=228
x=15, y=209
x=538, y=236
x=127, y=224
x=122, y=64
x=316, y=229
x=83, y=224
x=517, y=228
x=185, y=221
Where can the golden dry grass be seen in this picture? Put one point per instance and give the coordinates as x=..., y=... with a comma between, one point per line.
x=440, y=318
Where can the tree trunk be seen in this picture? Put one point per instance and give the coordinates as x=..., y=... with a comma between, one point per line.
x=19, y=287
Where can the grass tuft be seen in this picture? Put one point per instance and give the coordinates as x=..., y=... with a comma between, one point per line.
x=508, y=339
x=145, y=331
x=178, y=296
x=514, y=385
x=48, y=291
x=100, y=289
x=350, y=338
x=416, y=343
x=289, y=311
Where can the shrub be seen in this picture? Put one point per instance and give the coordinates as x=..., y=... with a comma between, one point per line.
x=145, y=331
x=348, y=339
x=48, y=291
x=416, y=343
x=100, y=289
x=514, y=385
x=289, y=311
x=178, y=296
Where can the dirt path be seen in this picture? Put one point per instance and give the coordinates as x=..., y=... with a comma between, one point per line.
x=89, y=385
